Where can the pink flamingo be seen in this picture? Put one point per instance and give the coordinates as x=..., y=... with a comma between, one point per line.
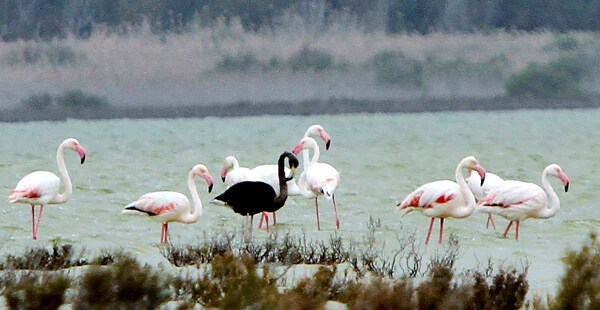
x=444, y=198
x=481, y=190
x=41, y=187
x=232, y=173
x=517, y=201
x=317, y=178
x=268, y=173
x=166, y=206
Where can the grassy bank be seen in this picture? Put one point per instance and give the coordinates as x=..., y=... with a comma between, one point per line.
x=220, y=65
x=227, y=273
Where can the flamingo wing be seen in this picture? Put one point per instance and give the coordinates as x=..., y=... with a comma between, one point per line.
x=38, y=187
x=515, y=193
x=163, y=204
x=430, y=196
x=322, y=178
x=248, y=197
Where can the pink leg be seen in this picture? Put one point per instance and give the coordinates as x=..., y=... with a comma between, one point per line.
x=263, y=216
x=33, y=222
x=337, y=218
x=166, y=232
x=441, y=230
x=266, y=220
x=517, y=230
x=507, y=228
x=317, y=210
x=490, y=220
x=163, y=233
x=429, y=230
x=274, y=218
x=36, y=228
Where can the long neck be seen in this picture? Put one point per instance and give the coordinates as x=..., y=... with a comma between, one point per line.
x=235, y=163
x=283, y=189
x=64, y=175
x=194, y=216
x=464, y=211
x=305, y=158
x=545, y=213
x=316, y=154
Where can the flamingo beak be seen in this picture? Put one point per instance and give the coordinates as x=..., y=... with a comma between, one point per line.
x=81, y=151
x=292, y=172
x=564, y=179
x=224, y=173
x=209, y=181
x=325, y=138
x=481, y=173
x=297, y=149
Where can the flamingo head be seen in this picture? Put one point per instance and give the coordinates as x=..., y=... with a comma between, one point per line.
x=230, y=163
x=305, y=143
x=74, y=145
x=293, y=163
x=201, y=171
x=471, y=164
x=556, y=171
x=317, y=130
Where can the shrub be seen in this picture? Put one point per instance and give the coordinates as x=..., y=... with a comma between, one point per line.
x=307, y=59
x=124, y=285
x=247, y=62
x=393, y=68
x=580, y=284
x=40, y=53
x=564, y=43
x=59, y=257
x=41, y=101
x=558, y=78
x=75, y=99
x=35, y=290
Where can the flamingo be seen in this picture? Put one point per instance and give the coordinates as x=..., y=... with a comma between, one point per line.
x=41, y=187
x=444, y=198
x=268, y=173
x=251, y=197
x=480, y=190
x=167, y=206
x=517, y=201
x=318, y=178
x=232, y=172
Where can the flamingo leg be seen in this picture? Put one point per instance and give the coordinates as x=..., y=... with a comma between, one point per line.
x=274, y=218
x=507, y=228
x=166, y=232
x=36, y=228
x=337, y=218
x=263, y=215
x=517, y=230
x=429, y=230
x=441, y=230
x=162, y=233
x=317, y=211
x=267, y=220
x=490, y=220
x=33, y=222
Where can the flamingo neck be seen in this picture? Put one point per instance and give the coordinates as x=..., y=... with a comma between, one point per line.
x=283, y=188
x=545, y=212
x=193, y=217
x=469, y=208
x=305, y=158
x=235, y=164
x=304, y=188
x=64, y=176
x=316, y=154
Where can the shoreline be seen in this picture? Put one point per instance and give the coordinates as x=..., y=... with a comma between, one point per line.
x=332, y=106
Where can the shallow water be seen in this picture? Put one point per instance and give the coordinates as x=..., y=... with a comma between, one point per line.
x=381, y=158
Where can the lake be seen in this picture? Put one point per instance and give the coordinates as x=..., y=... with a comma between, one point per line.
x=381, y=158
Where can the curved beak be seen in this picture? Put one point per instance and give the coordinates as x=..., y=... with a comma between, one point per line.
x=224, y=173
x=564, y=179
x=81, y=151
x=297, y=149
x=292, y=172
x=209, y=181
x=481, y=173
x=326, y=139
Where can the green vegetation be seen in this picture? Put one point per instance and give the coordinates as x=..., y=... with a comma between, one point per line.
x=52, y=54
x=304, y=60
x=307, y=59
x=69, y=101
x=559, y=78
x=393, y=68
x=238, y=281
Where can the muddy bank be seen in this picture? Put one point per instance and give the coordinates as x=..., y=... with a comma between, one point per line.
x=307, y=107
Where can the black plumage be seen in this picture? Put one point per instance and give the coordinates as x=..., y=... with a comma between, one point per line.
x=252, y=197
